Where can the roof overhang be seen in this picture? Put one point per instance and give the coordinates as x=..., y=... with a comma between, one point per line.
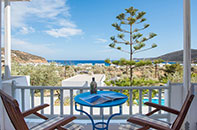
x=16, y=0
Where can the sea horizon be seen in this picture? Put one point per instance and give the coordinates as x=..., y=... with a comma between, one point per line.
x=92, y=62
x=77, y=62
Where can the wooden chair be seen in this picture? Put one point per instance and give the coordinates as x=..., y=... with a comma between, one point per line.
x=17, y=117
x=144, y=122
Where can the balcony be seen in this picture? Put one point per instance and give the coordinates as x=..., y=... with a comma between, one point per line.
x=27, y=98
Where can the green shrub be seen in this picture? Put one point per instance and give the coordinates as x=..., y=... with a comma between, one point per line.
x=40, y=75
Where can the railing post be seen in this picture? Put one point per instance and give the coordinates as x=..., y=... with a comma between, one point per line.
x=71, y=102
x=169, y=97
x=52, y=101
x=23, y=99
x=130, y=101
x=140, y=101
x=169, y=93
x=150, y=99
x=32, y=98
x=160, y=92
x=13, y=87
x=62, y=102
x=42, y=99
x=81, y=107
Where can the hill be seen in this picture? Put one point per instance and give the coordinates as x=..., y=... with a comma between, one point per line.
x=24, y=57
x=177, y=56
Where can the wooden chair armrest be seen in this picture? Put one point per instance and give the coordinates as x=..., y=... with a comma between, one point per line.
x=144, y=123
x=167, y=109
x=34, y=110
x=60, y=123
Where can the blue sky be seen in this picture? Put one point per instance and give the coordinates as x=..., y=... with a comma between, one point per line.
x=81, y=29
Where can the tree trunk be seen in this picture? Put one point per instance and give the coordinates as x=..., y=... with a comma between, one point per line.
x=131, y=56
x=155, y=70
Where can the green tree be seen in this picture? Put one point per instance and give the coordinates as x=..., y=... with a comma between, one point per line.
x=40, y=75
x=156, y=62
x=171, y=69
x=128, y=26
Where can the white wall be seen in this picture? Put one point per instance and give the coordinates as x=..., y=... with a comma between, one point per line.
x=6, y=87
x=177, y=102
x=192, y=114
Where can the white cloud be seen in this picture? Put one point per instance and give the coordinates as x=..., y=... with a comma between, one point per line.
x=53, y=13
x=18, y=44
x=26, y=30
x=22, y=11
x=101, y=40
x=64, y=32
x=66, y=23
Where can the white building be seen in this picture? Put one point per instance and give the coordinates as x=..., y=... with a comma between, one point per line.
x=82, y=80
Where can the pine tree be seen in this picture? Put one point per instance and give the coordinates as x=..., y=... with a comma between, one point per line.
x=136, y=41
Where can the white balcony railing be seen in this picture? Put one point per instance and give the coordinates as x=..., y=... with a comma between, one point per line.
x=163, y=93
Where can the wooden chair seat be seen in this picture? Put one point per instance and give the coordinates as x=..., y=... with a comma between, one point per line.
x=47, y=123
x=143, y=118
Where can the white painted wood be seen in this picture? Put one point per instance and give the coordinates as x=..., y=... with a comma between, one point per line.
x=99, y=88
x=191, y=118
x=71, y=89
x=7, y=39
x=23, y=99
x=32, y=98
x=71, y=102
x=130, y=101
x=187, y=45
x=150, y=99
x=81, y=107
x=140, y=101
x=42, y=99
x=1, y=106
x=0, y=48
x=52, y=101
x=61, y=102
x=160, y=90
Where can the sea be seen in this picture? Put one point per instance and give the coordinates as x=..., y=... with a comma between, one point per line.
x=77, y=62
x=92, y=62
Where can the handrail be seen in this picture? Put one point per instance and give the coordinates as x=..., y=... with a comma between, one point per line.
x=100, y=88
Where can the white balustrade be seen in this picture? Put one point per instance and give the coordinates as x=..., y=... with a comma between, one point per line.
x=71, y=111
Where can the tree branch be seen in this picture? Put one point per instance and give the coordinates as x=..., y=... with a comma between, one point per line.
x=137, y=51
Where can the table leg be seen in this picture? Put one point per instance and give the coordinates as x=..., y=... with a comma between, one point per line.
x=100, y=123
x=93, y=124
x=116, y=114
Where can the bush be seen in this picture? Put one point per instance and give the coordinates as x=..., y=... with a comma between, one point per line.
x=40, y=75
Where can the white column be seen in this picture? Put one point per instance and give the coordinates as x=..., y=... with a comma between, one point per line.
x=191, y=116
x=0, y=42
x=7, y=39
x=187, y=46
x=1, y=107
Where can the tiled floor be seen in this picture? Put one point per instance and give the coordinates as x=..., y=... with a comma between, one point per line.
x=112, y=126
x=87, y=126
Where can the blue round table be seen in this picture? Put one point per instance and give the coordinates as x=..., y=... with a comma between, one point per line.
x=117, y=102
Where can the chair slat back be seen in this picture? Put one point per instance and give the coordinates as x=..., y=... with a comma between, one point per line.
x=183, y=112
x=14, y=113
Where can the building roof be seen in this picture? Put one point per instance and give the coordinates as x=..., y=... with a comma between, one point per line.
x=86, y=77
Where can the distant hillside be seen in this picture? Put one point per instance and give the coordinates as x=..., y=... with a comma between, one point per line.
x=177, y=56
x=23, y=57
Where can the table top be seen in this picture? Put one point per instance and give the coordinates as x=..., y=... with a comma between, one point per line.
x=106, y=104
